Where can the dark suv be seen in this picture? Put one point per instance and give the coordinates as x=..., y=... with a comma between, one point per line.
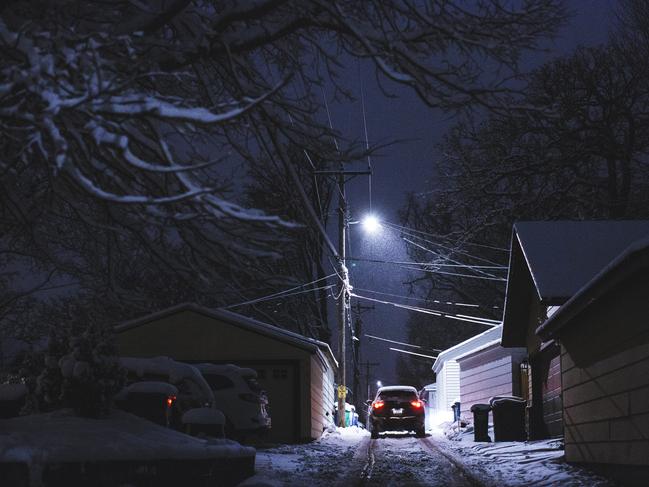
x=397, y=408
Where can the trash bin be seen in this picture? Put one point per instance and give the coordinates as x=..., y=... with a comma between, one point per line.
x=509, y=418
x=456, y=411
x=481, y=422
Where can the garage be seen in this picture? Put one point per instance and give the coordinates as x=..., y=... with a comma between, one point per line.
x=297, y=372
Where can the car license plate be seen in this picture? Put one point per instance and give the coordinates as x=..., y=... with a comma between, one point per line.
x=397, y=411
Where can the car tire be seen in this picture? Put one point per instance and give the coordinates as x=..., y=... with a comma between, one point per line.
x=375, y=433
x=420, y=433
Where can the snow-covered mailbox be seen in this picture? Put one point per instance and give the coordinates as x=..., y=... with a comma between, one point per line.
x=297, y=372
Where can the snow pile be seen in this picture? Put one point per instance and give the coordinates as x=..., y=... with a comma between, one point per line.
x=516, y=463
x=152, y=387
x=203, y=416
x=321, y=462
x=61, y=436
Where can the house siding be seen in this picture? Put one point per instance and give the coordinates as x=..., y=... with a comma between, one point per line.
x=322, y=396
x=448, y=389
x=605, y=373
x=490, y=372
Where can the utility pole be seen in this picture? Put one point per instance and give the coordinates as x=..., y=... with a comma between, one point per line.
x=356, y=347
x=343, y=300
x=367, y=366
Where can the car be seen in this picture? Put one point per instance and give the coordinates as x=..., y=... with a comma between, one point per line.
x=240, y=397
x=397, y=408
x=162, y=390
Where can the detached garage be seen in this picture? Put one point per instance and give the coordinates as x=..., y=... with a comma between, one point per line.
x=297, y=372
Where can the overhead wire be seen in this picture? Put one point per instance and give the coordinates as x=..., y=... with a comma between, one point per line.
x=468, y=242
x=280, y=293
x=466, y=254
x=413, y=353
x=436, y=301
x=402, y=343
x=434, y=312
x=405, y=262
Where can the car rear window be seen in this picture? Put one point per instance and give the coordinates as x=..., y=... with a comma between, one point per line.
x=395, y=395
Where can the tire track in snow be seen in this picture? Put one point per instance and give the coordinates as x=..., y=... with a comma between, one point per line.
x=468, y=477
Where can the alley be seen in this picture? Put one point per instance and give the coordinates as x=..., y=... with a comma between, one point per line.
x=403, y=460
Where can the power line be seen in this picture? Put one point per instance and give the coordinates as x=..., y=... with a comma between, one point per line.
x=434, y=312
x=404, y=262
x=413, y=353
x=420, y=299
x=456, y=274
x=449, y=239
x=402, y=343
x=410, y=234
x=282, y=293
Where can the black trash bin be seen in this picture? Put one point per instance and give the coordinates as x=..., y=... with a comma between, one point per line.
x=509, y=418
x=481, y=422
x=456, y=411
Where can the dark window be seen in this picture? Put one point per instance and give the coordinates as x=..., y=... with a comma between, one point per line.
x=397, y=395
x=217, y=382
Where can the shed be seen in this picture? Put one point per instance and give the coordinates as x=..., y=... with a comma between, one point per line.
x=549, y=262
x=447, y=369
x=604, y=336
x=489, y=370
x=297, y=372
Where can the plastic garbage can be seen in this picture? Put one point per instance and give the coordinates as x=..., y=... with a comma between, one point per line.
x=481, y=422
x=509, y=418
x=456, y=411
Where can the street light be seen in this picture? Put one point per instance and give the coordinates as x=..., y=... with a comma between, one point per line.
x=371, y=224
x=379, y=383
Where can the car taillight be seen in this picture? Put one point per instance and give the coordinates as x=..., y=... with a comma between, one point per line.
x=170, y=400
x=378, y=404
x=249, y=397
x=416, y=404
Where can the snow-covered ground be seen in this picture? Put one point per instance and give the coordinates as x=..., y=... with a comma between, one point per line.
x=323, y=462
x=535, y=463
x=347, y=456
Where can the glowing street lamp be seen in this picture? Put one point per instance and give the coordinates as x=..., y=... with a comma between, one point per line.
x=379, y=383
x=371, y=224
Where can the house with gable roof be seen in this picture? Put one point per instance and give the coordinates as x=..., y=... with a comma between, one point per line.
x=550, y=262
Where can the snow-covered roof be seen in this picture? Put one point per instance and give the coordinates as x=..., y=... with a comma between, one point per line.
x=479, y=348
x=466, y=346
x=554, y=259
x=208, y=368
x=562, y=256
x=633, y=258
x=310, y=344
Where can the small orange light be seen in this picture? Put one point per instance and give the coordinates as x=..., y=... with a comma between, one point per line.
x=378, y=404
x=416, y=404
x=170, y=400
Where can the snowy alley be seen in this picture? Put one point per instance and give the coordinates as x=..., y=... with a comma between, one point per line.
x=350, y=458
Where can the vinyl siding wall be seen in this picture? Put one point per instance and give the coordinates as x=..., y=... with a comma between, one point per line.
x=605, y=371
x=322, y=396
x=448, y=385
x=493, y=371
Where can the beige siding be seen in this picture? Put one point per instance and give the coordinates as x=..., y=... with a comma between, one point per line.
x=322, y=396
x=605, y=372
x=479, y=384
x=448, y=385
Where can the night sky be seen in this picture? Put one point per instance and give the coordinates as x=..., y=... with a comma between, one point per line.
x=410, y=167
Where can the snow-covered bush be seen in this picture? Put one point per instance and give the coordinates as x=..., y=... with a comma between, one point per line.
x=79, y=369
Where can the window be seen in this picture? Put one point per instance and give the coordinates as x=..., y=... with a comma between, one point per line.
x=218, y=382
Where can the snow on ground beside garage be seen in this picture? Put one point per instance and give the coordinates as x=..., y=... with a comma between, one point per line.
x=319, y=463
x=61, y=436
x=538, y=463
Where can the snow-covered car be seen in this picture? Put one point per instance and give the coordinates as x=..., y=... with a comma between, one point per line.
x=239, y=396
x=397, y=408
x=160, y=382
